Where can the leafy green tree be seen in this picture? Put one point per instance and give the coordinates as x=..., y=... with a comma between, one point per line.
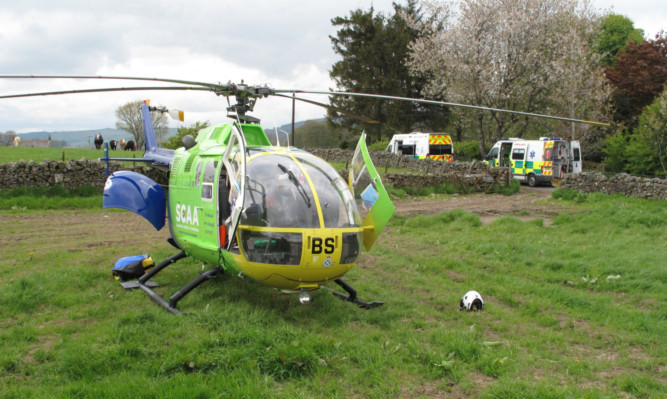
x=175, y=142
x=617, y=31
x=314, y=134
x=374, y=49
x=648, y=150
x=644, y=152
x=616, y=151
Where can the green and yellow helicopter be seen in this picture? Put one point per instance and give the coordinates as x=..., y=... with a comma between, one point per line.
x=277, y=215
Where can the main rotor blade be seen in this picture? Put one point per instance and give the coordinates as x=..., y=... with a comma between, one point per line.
x=305, y=100
x=418, y=100
x=103, y=77
x=52, y=93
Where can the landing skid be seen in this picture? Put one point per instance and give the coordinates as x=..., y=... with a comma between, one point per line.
x=351, y=296
x=146, y=285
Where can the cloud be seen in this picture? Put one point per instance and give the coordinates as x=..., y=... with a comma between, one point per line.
x=283, y=43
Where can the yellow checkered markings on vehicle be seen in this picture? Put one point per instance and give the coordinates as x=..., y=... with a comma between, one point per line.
x=439, y=139
x=538, y=168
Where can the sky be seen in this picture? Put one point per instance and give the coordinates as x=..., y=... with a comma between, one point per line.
x=284, y=44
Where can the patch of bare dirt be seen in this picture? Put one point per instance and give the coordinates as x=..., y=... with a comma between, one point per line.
x=77, y=231
x=528, y=204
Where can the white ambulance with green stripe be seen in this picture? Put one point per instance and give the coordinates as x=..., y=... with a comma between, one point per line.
x=536, y=161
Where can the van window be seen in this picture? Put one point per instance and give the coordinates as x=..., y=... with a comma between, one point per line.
x=407, y=149
x=577, y=155
x=518, y=154
x=440, y=149
x=493, y=154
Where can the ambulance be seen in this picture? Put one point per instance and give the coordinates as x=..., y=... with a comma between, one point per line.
x=437, y=146
x=536, y=161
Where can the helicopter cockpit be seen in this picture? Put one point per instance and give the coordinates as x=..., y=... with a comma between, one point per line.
x=287, y=192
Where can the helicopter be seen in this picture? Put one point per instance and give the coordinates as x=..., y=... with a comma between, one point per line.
x=279, y=216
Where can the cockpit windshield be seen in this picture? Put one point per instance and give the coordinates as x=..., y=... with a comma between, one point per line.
x=279, y=194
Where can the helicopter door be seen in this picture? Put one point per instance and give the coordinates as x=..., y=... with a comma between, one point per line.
x=374, y=204
x=234, y=160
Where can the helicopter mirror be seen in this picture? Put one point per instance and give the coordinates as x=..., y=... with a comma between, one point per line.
x=188, y=141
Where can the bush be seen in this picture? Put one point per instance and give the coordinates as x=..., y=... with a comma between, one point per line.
x=379, y=145
x=467, y=151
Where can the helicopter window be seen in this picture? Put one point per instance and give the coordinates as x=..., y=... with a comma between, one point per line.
x=207, y=181
x=278, y=194
x=272, y=248
x=198, y=174
x=209, y=172
x=338, y=206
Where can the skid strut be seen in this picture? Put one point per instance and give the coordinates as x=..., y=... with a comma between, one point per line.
x=352, y=296
x=146, y=285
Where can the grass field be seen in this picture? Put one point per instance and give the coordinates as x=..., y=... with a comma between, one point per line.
x=576, y=309
x=8, y=154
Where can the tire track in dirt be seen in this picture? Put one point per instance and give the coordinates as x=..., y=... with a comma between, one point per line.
x=74, y=231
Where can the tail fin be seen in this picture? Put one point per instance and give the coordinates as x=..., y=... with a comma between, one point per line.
x=149, y=133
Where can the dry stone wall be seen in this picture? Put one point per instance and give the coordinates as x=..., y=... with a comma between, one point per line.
x=471, y=176
x=475, y=176
x=640, y=187
x=69, y=174
x=383, y=159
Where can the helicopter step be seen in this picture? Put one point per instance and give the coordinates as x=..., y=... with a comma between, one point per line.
x=146, y=285
x=352, y=296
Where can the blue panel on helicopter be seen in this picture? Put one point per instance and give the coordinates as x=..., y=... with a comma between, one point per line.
x=136, y=193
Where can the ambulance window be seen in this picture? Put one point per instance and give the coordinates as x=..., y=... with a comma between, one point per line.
x=407, y=149
x=440, y=149
x=493, y=154
x=577, y=155
x=518, y=154
x=207, y=181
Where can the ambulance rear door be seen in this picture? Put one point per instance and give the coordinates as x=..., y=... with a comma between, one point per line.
x=575, y=153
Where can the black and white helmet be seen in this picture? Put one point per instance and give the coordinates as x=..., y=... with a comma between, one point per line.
x=472, y=301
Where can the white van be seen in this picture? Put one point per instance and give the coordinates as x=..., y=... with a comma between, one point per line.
x=437, y=146
x=536, y=161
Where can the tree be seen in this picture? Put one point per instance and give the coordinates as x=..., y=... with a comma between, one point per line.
x=7, y=138
x=648, y=154
x=176, y=141
x=373, y=49
x=617, y=31
x=513, y=55
x=130, y=120
x=315, y=134
x=638, y=77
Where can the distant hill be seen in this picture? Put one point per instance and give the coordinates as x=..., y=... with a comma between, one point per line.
x=84, y=138
x=286, y=129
